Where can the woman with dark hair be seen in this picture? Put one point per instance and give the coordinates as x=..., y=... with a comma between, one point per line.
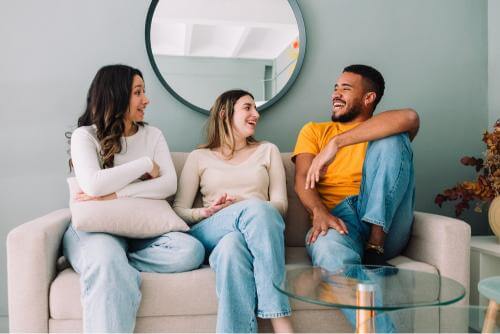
x=242, y=183
x=115, y=154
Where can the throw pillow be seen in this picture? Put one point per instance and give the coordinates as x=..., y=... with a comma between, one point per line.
x=127, y=217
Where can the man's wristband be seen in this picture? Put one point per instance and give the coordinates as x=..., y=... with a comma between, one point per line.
x=377, y=248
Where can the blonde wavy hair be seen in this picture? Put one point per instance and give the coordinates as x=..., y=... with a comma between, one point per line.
x=219, y=126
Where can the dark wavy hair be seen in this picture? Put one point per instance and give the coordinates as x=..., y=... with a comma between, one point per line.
x=108, y=101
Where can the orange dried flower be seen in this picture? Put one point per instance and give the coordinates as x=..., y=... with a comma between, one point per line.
x=487, y=185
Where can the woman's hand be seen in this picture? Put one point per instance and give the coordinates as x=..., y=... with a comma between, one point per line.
x=219, y=204
x=82, y=197
x=155, y=172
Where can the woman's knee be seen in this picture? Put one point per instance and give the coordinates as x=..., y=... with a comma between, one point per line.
x=231, y=249
x=188, y=250
x=193, y=253
x=108, y=262
x=264, y=214
x=101, y=252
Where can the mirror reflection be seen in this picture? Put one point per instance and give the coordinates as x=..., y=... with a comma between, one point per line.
x=202, y=48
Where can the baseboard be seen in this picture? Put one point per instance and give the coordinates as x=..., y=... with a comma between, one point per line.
x=4, y=324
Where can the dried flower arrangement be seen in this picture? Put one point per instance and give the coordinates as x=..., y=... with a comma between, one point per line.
x=487, y=185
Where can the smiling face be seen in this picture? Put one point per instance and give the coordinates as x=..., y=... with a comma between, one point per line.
x=138, y=101
x=348, y=98
x=245, y=117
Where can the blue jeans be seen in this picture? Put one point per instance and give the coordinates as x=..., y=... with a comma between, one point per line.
x=109, y=269
x=247, y=249
x=386, y=198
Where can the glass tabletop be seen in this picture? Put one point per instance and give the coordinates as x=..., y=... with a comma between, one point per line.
x=440, y=319
x=390, y=288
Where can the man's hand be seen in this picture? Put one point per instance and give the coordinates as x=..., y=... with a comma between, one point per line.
x=320, y=163
x=219, y=204
x=82, y=197
x=322, y=221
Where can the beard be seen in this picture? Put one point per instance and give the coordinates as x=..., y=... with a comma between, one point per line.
x=350, y=115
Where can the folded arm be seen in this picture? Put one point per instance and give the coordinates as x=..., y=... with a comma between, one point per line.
x=383, y=125
x=158, y=188
x=96, y=181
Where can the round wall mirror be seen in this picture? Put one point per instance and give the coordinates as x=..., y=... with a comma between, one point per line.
x=201, y=48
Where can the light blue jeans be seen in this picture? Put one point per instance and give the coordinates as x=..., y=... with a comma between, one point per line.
x=386, y=198
x=109, y=269
x=247, y=252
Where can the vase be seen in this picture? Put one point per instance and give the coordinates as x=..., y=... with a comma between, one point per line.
x=494, y=217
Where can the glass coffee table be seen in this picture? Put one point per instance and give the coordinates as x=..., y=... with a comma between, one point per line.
x=364, y=290
x=440, y=319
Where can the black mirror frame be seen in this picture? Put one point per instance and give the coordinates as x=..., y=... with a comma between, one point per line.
x=266, y=105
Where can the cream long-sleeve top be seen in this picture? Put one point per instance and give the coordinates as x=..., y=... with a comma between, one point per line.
x=260, y=176
x=136, y=158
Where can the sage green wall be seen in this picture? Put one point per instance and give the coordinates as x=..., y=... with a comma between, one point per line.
x=433, y=55
x=493, y=61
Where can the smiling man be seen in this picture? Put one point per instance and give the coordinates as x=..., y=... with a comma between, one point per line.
x=355, y=175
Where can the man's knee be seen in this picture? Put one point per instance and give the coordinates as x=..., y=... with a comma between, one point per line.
x=333, y=250
x=390, y=145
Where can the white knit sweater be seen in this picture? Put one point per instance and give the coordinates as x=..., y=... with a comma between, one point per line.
x=136, y=158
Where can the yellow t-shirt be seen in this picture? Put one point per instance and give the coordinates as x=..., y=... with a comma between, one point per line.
x=343, y=176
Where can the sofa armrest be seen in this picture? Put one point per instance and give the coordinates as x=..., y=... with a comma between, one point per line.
x=443, y=242
x=32, y=251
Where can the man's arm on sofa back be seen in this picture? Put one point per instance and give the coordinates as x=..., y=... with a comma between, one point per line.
x=32, y=250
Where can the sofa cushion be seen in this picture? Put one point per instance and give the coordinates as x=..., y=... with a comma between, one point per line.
x=186, y=293
x=404, y=262
x=189, y=293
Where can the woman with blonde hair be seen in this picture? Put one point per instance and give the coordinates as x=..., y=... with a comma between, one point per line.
x=242, y=183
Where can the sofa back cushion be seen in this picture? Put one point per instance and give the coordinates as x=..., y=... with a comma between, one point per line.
x=297, y=218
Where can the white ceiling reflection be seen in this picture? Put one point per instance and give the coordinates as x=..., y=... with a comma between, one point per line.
x=256, y=29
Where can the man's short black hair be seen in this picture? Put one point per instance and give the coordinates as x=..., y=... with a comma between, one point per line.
x=373, y=79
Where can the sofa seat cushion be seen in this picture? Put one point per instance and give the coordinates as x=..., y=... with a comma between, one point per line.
x=404, y=262
x=189, y=293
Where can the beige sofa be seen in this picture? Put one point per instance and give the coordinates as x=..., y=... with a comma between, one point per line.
x=44, y=298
